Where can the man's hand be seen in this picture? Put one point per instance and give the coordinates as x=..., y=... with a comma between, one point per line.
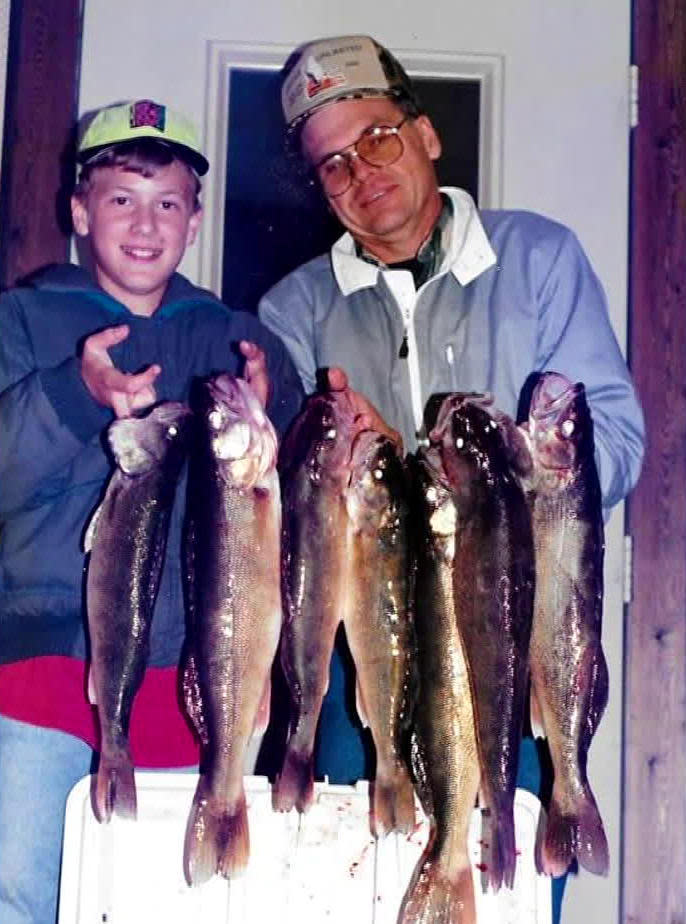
x=367, y=414
x=123, y=392
x=255, y=372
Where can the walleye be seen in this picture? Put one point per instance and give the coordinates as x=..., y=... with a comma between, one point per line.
x=234, y=601
x=315, y=457
x=568, y=668
x=127, y=538
x=445, y=752
x=492, y=589
x=378, y=619
x=346, y=559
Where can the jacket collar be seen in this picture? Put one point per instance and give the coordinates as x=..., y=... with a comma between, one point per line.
x=468, y=255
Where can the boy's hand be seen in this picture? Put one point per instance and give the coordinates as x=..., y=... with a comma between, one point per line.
x=255, y=372
x=367, y=414
x=123, y=392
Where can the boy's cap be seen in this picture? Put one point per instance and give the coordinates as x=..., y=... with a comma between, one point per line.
x=342, y=67
x=143, y=118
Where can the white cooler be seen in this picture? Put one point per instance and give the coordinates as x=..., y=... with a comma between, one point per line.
x=324, y=868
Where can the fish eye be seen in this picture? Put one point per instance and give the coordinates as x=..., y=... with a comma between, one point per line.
x=172, y=430
x=378, y=473
x=214, y=419
x=330, y=434
x=567, y=427
x=431, y=494
x=459, y=442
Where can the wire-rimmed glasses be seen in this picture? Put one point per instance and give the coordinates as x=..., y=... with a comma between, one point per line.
x=378, y=146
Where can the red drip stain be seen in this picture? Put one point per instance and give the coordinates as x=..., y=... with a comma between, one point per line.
x=482, y=867
x=518, y=852
x=484, y=843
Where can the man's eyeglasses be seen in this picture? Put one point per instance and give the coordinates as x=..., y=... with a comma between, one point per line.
x=378, y=146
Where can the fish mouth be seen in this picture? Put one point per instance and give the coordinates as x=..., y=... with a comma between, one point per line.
x=553, y=393
x=454, y=402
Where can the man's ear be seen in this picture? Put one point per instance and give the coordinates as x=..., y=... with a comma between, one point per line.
x=193, y=226
x=429, y=136
x=79, y=216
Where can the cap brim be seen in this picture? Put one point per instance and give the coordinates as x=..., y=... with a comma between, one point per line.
x=194, y=159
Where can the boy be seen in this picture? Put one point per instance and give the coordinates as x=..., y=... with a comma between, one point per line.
x=75, y=351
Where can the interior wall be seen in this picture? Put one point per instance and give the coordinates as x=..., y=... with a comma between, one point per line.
x=564, y=153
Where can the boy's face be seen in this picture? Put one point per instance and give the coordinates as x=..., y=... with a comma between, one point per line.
x=139, y=228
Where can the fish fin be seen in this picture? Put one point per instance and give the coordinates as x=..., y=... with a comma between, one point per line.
x=593, y=852
x=91, y=529
x=234, y=834
x=359, y=705
x=114, y=790
x=294, y=788
x=434, y=898
x=263, y=710
x=217, y=841
x=392, y=803
x=536, y=716
x=503, y=852
x=577, y=835
x=92, y=694
x=193, y=699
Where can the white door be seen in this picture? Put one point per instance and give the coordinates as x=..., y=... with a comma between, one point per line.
x=560, y=146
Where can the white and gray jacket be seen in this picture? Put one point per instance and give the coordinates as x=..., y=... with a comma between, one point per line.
x=514, y=295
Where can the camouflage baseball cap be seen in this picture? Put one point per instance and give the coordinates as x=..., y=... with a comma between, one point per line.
x=143, y=118
x=343, y=67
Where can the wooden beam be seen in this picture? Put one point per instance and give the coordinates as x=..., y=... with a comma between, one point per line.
x=40, y=114
x=654, y=851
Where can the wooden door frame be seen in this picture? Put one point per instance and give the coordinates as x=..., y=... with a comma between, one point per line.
x=654, y=820
x=43, y=59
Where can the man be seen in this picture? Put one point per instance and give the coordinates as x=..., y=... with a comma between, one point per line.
x=424, y=294
x=77, y=350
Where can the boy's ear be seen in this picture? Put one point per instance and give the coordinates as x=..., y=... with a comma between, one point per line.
x=193, y=226
x=79, y=216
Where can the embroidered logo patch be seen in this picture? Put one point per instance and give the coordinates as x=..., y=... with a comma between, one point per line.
x=146, y=112
x=317, y=80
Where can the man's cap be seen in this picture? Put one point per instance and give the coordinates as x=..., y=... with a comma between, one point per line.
x=343, y=67
x=143, y=118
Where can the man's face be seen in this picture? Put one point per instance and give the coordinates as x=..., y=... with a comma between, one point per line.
x=387, y=209
x=139, y=228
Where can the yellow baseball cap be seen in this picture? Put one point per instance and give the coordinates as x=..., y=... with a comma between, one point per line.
x=143, y=118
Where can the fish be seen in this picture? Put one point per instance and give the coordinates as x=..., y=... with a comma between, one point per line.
x=569, y=672
x=378, y=620
x=346, y=560
x=315, y=468
x=445, y=754
x=493, y=592
x=126, y=539
x=232, y=554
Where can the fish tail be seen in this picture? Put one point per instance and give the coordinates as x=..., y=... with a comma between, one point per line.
x=503, y=858
x=295, y=785
x=393, y=804
x=434, y=898
x=593, y=853
x=579, y=834
x=234, y=835
x=217, y=840
x=115, y=788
